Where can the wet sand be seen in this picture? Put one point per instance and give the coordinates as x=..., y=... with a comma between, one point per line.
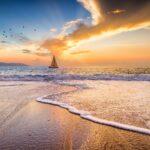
x=41, y=126
x=126, y=102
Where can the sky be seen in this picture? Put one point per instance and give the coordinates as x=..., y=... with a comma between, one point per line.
x=77, y=32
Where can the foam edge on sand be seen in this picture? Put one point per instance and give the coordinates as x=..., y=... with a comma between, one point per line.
x=86, y=115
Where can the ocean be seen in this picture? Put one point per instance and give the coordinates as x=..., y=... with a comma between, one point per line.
x=29, y=73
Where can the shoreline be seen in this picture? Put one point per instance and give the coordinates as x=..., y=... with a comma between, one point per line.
x=35, y=125
x=65, y=89
x=50, y=99
x=89, y=117
x=40, y=126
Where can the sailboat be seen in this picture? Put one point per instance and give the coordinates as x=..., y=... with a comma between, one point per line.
x=53, y=63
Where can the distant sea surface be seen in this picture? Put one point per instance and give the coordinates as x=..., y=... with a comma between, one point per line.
x=28, y=73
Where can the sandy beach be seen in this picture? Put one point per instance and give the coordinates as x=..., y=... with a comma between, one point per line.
x=27, y=124
x=126, y=102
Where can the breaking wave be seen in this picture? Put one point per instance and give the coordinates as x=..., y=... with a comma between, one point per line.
x=37, y=77
x=50, y=99
x=29, y=73
x=88, y=116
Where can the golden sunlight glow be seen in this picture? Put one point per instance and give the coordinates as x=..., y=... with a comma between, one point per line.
x=88, y=41
x=70, y=43
x=118, y=11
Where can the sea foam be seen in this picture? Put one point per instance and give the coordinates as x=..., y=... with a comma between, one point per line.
x=86, y=115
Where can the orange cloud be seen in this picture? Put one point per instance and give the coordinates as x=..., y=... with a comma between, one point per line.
x=56, y=46
x=129, y=20
x=80, y=52
x=117, y=11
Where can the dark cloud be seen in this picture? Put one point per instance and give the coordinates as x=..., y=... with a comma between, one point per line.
x=26, y=51
x=3, y=42
x=131, y=6
x=42, y=54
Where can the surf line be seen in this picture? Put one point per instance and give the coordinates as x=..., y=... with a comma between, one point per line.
x=88, y=116
x=84, y=114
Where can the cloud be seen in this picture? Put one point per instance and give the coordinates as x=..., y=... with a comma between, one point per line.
x=80, y=52
x=56, y=46
x=147, y=27
x=3, y=42
x=42, y=54
x=36, y=51
x=26, y=51
x=130, y=20
x=53, y=30
x=94, y=8
x=117, y=11
x=132, y=15
x=70, y=27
